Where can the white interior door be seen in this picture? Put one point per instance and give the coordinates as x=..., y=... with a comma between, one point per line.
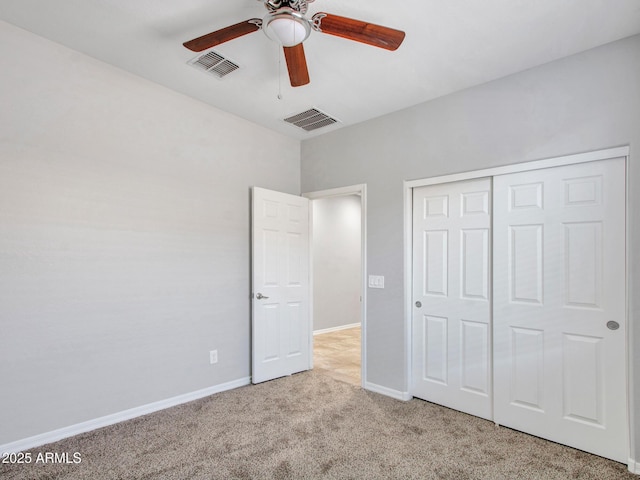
x=281, y=338
x=451, y=295
x=559, y=305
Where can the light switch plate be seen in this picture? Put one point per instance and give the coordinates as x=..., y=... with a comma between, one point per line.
x=376, y=281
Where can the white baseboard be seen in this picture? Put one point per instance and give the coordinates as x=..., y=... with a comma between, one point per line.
x=634, y=467
x=336, y=329
x=389, y=392
x=70, y=431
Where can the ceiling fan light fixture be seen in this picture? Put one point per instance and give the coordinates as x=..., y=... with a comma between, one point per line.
x=287, y=27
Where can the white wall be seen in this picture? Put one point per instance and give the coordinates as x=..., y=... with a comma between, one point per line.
x=585, y=102
x=124, y=237
x=337, y=261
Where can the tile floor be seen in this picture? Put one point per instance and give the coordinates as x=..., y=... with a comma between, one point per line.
x=337, y=354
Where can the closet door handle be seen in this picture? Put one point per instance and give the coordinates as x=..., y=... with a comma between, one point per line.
x=260, y=296
x=418, y=304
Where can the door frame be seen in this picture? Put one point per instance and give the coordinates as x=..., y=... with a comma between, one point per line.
x=605, y=154
x=361, y=190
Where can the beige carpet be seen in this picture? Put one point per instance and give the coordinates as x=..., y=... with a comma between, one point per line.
x=311, y=426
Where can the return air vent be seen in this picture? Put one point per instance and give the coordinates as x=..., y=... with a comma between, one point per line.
x=311, y=119
x=214, y=63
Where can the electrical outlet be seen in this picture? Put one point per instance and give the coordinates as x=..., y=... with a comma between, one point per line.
x=213, y=357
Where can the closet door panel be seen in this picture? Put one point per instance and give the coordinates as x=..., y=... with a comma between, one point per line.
x=451, y=296
x=559, y=283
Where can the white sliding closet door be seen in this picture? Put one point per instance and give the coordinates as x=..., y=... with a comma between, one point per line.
x=451, y=295
x=559, y=305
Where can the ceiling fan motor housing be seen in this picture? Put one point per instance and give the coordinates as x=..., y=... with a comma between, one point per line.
x=299, y=6
x=286, y=24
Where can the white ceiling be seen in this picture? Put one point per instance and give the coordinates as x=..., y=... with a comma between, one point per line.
x=450, y=45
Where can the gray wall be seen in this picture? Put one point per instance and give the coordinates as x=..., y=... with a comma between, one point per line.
x=124, y=237
x=585, y=102
x=337, y=261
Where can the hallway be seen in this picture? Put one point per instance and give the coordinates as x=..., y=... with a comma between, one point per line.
x=337, y=354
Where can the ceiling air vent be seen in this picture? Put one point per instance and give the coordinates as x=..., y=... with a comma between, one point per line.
x=311, y=119
x=214, y=63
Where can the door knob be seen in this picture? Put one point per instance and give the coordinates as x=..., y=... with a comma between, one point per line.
x=260, y=296
x=612, y=325
x=418, y=304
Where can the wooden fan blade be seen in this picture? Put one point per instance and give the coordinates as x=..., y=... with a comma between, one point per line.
x=297, y=65
x=223, y=35
x=360, y=31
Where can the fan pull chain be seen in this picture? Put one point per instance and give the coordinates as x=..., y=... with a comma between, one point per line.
x=279, y=74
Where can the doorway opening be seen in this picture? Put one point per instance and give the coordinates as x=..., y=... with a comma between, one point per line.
x=337, y=283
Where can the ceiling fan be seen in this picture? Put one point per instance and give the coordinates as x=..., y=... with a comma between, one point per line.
x=286, y=23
